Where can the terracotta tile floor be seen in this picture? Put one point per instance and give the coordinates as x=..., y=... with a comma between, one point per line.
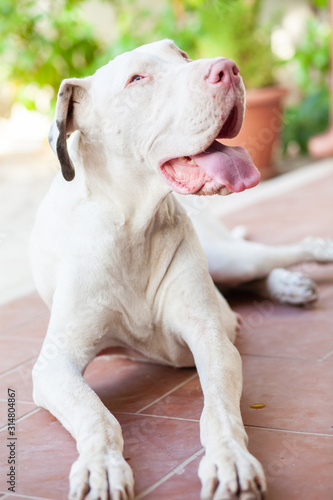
x=288, y=365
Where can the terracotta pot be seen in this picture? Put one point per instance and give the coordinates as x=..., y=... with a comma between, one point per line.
x=261, y=127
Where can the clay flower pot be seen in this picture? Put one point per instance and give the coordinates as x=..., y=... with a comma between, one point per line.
x=261, y=127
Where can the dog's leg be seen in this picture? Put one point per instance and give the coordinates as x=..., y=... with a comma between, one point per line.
x=207, y=325
x=59, y=387
x=233, y=262
x=227, y=470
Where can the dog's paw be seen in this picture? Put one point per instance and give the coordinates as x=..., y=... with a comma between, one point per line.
x=106, y=477
x=291, y=288
x=319, y=249
x=230, y=473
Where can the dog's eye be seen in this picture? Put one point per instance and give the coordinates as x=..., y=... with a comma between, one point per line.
x=136, y=78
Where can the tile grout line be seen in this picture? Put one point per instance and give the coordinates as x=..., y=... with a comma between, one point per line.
x=286, y=358
x=167, y=393
x=18, y=401
x=289, y=431
x=21, y=365
x=246, y=426
x=178, y=469
x=10, y=495
x=32, y=412
x=155, y=416
x=22, y=337
x=270, y=356
x=23, y=324
x=326, y=292
x=325, y=356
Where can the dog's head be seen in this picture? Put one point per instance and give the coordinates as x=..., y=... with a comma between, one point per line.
x=162, y=112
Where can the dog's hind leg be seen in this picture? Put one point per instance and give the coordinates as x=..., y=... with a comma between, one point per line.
x=233, y=262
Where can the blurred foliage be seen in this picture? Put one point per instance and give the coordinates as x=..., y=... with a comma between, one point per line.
x=204, y=28
x=45, y=41
x=319, y=3
x=233, y=29
x=43, y=46
x=309, y=118
x=42, y=42
x=312, y=63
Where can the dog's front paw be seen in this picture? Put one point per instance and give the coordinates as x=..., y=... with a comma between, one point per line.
x=106, y=477
x=231, y=472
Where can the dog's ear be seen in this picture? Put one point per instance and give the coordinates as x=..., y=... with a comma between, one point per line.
x=72, y=97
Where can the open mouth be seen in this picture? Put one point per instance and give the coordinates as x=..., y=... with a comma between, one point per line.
x=218, y=169
x=232, y=125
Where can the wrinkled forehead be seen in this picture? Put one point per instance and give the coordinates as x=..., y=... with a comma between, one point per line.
x=152, y=57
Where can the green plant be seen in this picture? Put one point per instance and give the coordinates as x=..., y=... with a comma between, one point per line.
x=204, y=28
x=312, y=62
x=136, y=24
x=309, y=118
x=233, y=29
x=44, y=46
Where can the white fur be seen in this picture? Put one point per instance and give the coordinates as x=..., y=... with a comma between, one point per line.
x=120, y=265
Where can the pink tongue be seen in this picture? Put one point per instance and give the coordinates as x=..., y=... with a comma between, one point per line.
x=230, y=166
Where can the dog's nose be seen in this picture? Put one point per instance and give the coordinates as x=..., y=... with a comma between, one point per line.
x=222, y=73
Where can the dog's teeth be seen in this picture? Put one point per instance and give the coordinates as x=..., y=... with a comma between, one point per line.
x=187, y=159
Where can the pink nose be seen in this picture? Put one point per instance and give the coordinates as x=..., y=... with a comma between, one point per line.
x=223, y=73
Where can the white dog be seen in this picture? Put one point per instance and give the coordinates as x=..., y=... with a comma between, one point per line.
x=119, y=263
